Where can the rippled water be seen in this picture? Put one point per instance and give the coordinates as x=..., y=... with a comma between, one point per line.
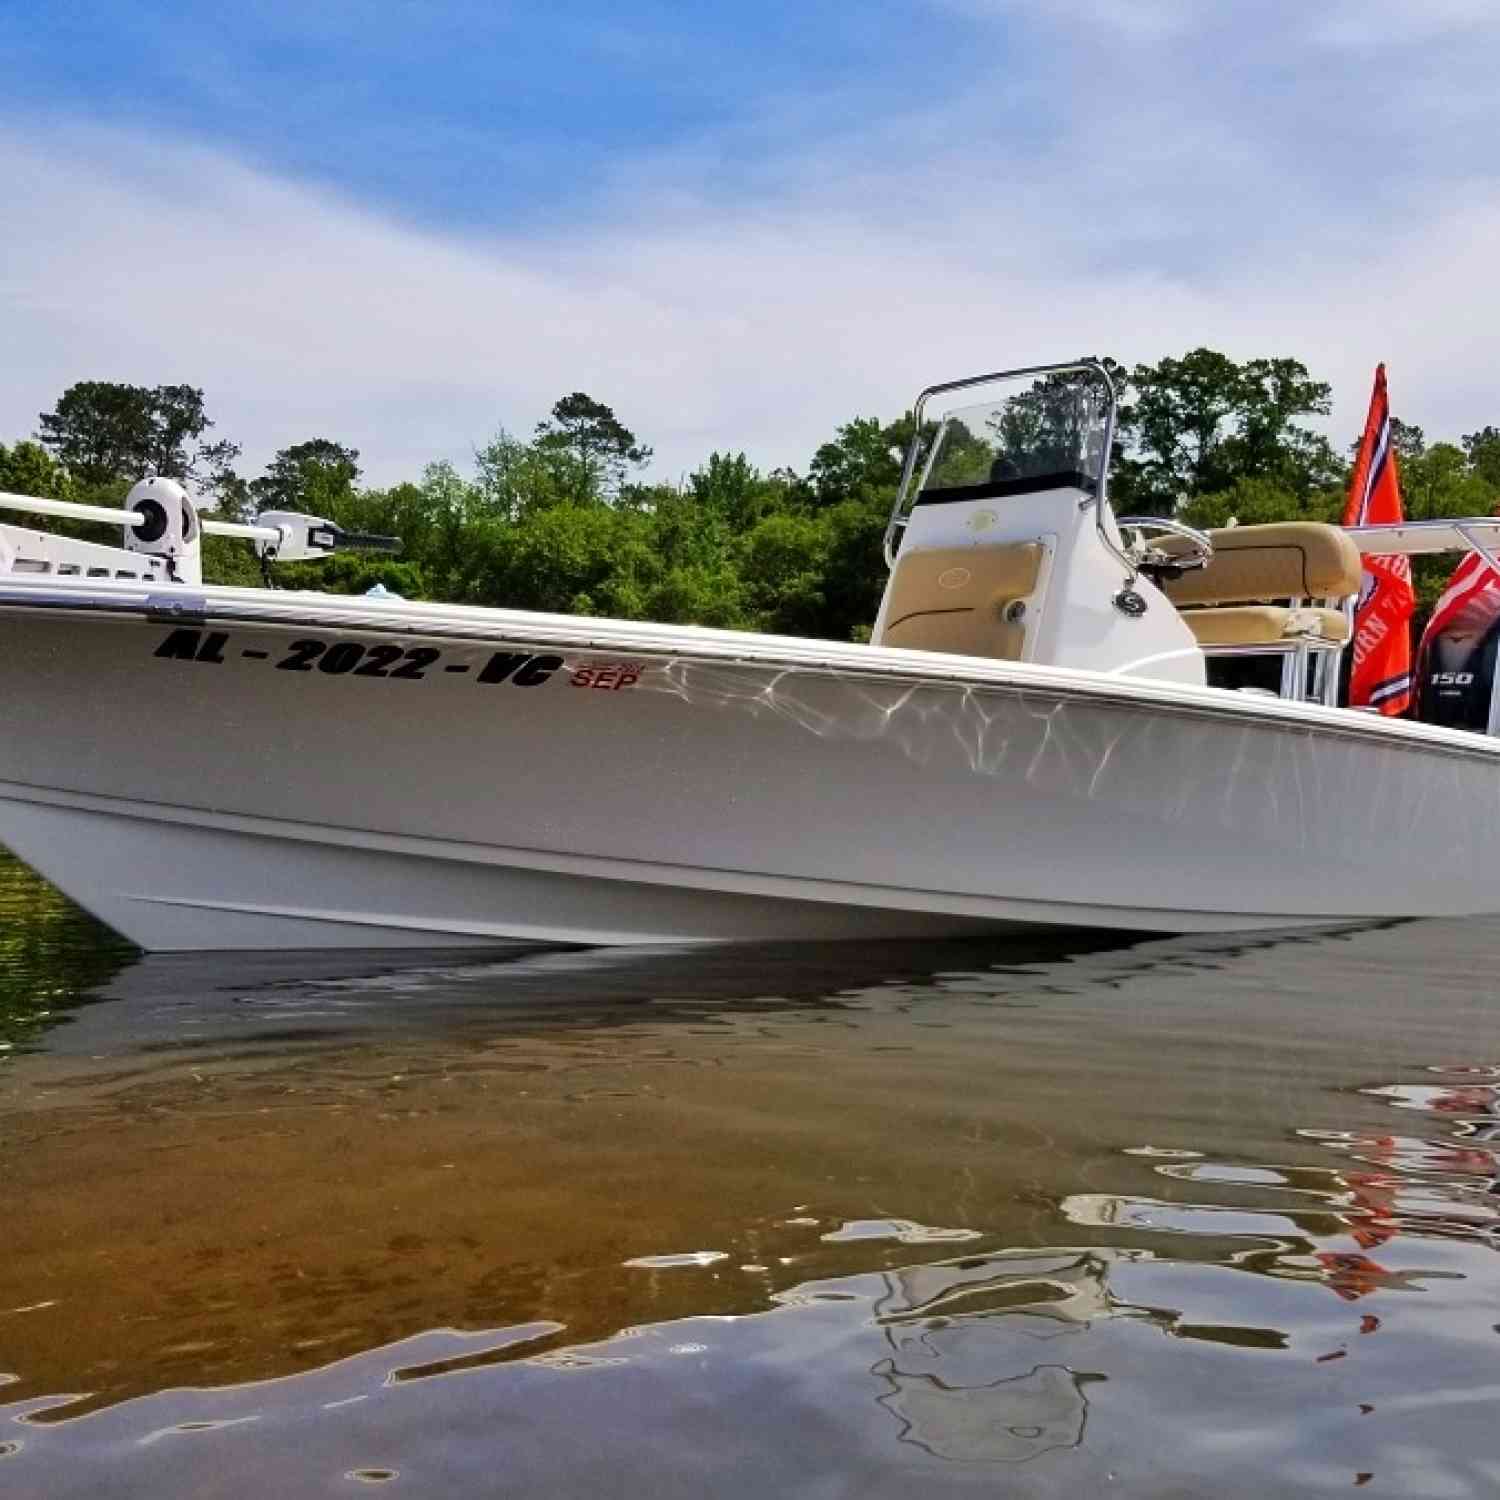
x=1172, y=1218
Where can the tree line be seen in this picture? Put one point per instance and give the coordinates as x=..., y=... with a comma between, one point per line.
x=566, y=519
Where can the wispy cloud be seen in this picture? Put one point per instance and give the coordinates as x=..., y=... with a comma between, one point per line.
x=754, y=284
x=1373, y=26
x=1138, y=20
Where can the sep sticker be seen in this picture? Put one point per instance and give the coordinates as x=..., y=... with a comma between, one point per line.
x=610, y=676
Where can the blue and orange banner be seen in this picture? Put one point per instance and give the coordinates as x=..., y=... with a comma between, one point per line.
x=1380, y=676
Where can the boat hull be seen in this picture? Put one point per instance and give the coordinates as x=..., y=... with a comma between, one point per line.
x=330, y=779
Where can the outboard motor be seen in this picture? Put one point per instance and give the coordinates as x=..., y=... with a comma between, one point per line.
x=168, y=528
x=1456, y=674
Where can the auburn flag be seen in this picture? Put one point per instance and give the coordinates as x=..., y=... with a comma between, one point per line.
x=1381, y=673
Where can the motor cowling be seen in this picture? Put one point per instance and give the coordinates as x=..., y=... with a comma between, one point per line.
x=168, y=527
x=1456, y=673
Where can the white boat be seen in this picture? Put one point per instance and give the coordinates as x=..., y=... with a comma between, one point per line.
x=1031, y=737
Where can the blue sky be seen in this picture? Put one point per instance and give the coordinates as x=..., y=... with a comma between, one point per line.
x=403, y=225
x=474, y=114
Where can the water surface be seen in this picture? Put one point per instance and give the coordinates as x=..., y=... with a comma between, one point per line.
x=1171, y=1218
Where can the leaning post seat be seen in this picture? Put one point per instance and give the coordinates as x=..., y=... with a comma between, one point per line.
x=1254, y=565
x=1265, y=625
x=1282, y=560
x=971, y=601
x=1229, y=606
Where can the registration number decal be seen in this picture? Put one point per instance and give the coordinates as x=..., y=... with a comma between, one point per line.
x=388, y=661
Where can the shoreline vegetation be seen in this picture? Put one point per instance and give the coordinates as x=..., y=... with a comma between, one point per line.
x=568, y=520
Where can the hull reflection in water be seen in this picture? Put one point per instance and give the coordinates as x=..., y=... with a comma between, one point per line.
x=1006, y=1421
x=932, y=1377
x=1192, y=1217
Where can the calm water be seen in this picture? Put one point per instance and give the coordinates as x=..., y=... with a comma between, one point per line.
x=1175, y=1218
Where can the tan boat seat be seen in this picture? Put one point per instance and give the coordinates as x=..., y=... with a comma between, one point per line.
x=1283, y=560
x=961, y=599
x=1266, y=625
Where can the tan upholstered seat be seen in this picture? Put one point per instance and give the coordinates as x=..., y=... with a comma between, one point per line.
x=1284, y=560
x=1228, y=607
x=1266, y=625
x=959, y=599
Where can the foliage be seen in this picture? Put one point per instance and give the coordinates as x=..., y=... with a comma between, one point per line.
x=314, y=477
x=565, y=522
x=1482, y=449
x=104, y=433
x=26, y=468
x=588, y=450
x=1200, y=424
x=1252, y=502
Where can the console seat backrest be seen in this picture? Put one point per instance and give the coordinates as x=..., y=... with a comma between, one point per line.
x=961, y=599
x=1283, y=560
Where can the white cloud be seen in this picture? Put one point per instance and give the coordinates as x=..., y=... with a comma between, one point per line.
x=1373, y=25
x=759, y=326
x=1363, y=25
x=1137, y=20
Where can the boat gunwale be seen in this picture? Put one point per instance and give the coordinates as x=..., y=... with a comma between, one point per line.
x=154, y=603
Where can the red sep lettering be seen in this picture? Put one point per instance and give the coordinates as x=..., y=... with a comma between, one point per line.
x=611, y=677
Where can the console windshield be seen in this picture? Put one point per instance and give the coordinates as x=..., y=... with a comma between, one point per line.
x=1050, y=434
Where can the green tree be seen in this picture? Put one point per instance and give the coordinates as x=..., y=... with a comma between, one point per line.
x=1408, y=440
x=515, y=478
x=854, y=571
x=1199, y=424
x=566, y=559
x=591, y=450
x=783, y=564
x=1254, y=502
x=1440, y=482
x=730, y=489
x=1482, y=450
x=315, y=477
x=108, y=434
x=26, y=468
x=865, y=455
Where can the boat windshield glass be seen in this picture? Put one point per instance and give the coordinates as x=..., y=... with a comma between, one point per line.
x=1048, y=435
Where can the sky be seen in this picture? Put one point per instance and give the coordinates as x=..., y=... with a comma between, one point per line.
x=407, y=225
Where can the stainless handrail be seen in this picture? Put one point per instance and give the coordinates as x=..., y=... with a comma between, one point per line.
x=901, y=509
x=1422, y=538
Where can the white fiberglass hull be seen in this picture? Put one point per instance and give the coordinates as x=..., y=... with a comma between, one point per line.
x=418, y=775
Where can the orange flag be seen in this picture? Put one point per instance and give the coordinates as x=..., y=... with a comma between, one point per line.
x=1381, y=673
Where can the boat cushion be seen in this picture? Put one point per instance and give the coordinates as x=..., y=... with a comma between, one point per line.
x=1283, y=560
x=958, y=598
x=1266, y=625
